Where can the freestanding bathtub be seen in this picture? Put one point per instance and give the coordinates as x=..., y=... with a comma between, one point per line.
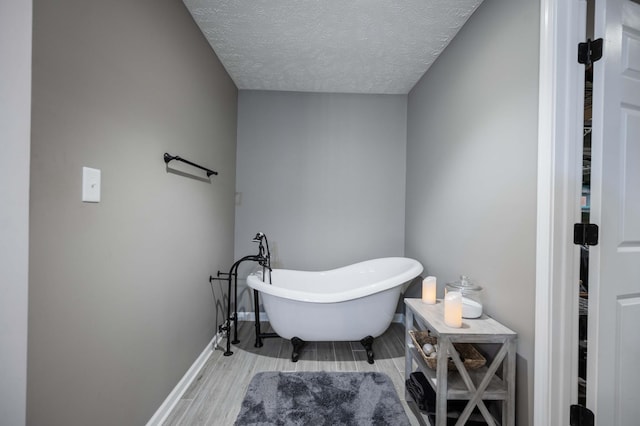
x=355, y=302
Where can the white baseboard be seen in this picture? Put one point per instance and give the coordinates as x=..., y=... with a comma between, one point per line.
x=172, y=399
x=251, y=316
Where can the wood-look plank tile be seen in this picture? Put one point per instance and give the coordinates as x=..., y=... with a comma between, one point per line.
x=361, y=362
x=178, y=412
x=396, y=330
x=326, y=356
x=356, y=346
x=391, y=348
x=228, y=392
x=207, y=371
x=308, y=360
x=267, y=356
x=215, y=396
x=284, y=362
x=386, y=359
x=345, y=360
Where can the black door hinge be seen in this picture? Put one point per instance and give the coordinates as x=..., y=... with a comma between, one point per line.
x=585, y=234
x=580, y=416
x=589, y=51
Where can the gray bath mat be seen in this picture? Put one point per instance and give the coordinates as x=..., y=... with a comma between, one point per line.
x=321, y=398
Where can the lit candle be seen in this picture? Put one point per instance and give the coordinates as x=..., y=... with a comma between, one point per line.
x=429, y=290
x=453, y=309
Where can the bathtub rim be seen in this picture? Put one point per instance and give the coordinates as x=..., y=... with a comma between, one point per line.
x=414, y=269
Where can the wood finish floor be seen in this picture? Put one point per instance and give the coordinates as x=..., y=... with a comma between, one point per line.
x=215, y=396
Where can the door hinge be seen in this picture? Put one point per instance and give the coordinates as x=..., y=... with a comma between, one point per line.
x=589, y=51
x=580, y=416
x=585, y=234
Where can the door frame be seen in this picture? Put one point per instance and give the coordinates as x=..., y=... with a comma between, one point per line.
x=560, y=122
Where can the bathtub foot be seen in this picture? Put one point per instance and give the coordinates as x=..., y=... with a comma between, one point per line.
x=367, y=342
x=297, y=343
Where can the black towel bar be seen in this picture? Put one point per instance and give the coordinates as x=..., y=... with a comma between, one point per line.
x=168, y=158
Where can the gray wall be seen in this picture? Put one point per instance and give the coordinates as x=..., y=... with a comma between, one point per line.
x=323, y=175
x=471, y=168
x=119, y=301
x=15, y=113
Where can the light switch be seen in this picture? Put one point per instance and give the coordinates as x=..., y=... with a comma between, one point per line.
x=90, y=185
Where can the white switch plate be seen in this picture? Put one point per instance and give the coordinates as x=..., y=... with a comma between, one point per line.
x=90, y=185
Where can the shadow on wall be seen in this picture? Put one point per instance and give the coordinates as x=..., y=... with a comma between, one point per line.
x=188, y=175
x=245, y=299
x=220, y=300
x=413, y=290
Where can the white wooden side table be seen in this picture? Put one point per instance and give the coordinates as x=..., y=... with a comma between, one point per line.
x=477, y=385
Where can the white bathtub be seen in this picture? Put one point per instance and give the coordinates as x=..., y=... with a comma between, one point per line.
x=343, y=304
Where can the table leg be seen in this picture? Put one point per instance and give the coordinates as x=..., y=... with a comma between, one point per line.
x=444, y=346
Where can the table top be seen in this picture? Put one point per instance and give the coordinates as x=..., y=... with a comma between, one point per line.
x=434, y=316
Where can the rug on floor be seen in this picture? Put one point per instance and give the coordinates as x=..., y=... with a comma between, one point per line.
x=321, y=398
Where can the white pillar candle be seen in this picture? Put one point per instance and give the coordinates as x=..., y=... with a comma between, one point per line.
x=429, y=290
x=453, y=309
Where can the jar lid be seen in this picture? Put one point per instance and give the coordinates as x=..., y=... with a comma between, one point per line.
x=465, y=285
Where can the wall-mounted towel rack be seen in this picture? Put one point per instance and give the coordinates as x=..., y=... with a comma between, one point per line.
x=168, y=157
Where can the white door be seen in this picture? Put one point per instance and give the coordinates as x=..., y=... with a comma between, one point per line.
x=613, y=376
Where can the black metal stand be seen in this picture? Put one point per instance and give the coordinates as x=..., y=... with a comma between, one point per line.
x=231, y=277
x=226, y=326
x=259, y=334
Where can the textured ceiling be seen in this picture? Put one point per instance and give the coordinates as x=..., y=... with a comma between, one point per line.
x=345, y=46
